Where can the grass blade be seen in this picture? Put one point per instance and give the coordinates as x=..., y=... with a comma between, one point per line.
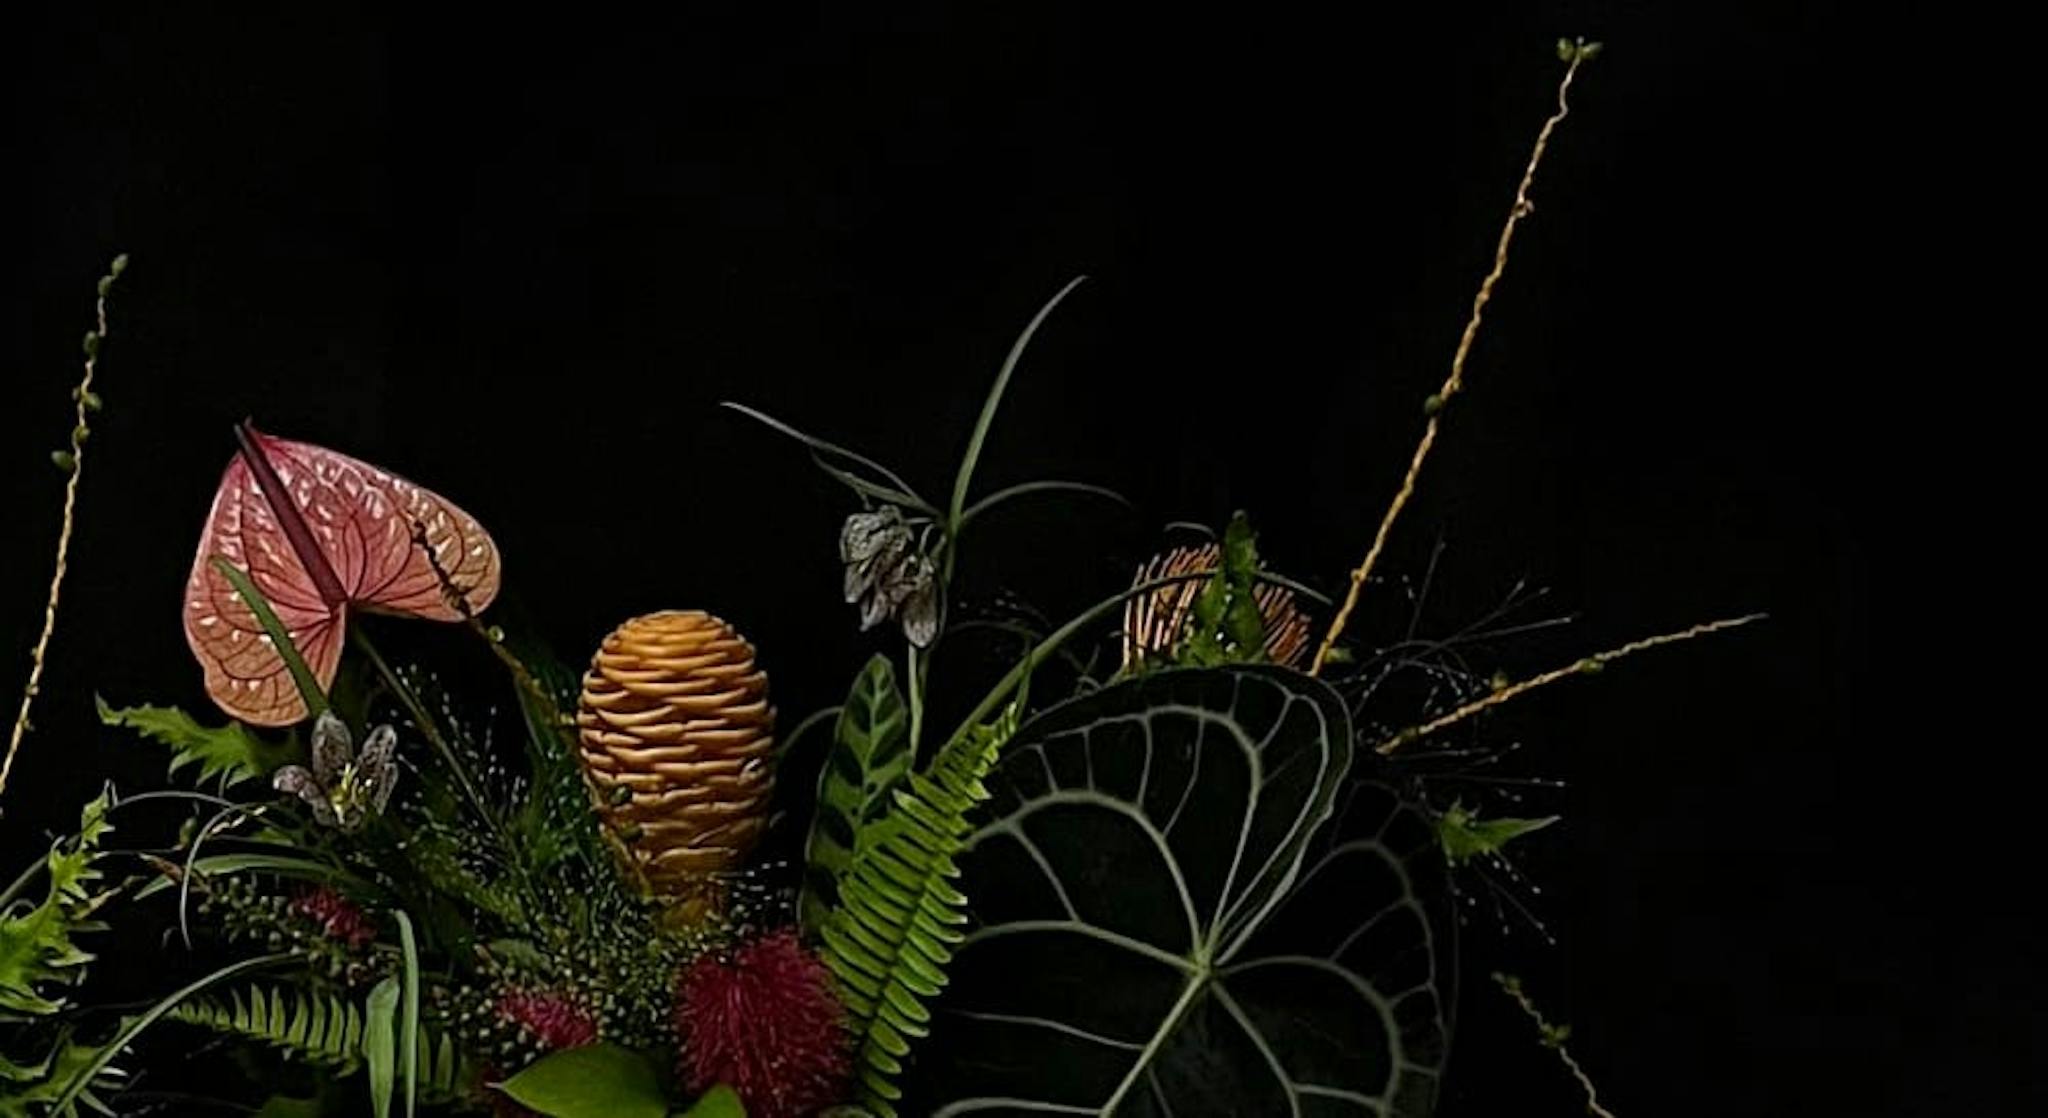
x=280, y=639
x=995, y=398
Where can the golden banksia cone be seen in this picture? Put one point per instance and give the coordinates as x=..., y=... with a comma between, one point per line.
x=1153, y=623
x=676, y=734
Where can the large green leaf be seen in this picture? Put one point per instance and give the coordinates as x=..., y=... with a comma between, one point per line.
x=870, y=753
x=1162, y=929
x=594, y=1081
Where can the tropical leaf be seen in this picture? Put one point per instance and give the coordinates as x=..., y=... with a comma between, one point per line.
x=233, y=752
x=593, y=1081
x=870, y=755
x=1158, y=929
x=890, y=938
x=36, y=948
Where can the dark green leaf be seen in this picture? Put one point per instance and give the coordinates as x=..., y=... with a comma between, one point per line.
x=870, y=753
x=284, y=1106
x=595, y=1081
x=1160, y=927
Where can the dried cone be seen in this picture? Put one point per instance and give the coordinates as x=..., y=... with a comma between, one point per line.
x=676, y=732
x=1153, y=622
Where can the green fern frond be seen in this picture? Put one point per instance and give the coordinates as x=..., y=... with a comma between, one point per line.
x=323, y=1029
x=320, y=1028
x=891, y=936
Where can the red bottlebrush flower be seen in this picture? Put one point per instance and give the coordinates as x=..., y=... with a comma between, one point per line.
x=336, y=915
x=553, y=1020
x=766, y=1023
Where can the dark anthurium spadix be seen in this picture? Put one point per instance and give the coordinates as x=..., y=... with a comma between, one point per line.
x=319, y=533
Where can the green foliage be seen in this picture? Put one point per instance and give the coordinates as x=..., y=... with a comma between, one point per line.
x=870, y=755
x=1173, y=915
x=719, y=1102
x=320, y=1028
x=41, y=1089
x=326, y=1030
x=1225, y=625
x=1466, y=836
x=36, y=948
x=380, y=1043
x=594, y=1081
x=890, y=938
x=232, y=753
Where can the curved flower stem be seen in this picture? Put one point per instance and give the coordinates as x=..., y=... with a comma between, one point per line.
x=73, y=461
x=1456, y=380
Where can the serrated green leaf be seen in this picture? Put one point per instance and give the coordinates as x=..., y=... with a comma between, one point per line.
x=233, y=753
x=594, y=1081
x=37, y=952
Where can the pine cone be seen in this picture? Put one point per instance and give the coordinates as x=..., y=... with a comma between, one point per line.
x=677, y=732
x=1153, y=622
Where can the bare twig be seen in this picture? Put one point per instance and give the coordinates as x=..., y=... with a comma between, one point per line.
x=1553, y=1038
x=1586, y=666
x=1455, y=381
x=71, y=461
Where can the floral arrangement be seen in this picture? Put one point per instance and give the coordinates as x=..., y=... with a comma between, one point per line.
x=1215, y=878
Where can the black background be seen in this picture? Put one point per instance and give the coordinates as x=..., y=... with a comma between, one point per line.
x=521, y=261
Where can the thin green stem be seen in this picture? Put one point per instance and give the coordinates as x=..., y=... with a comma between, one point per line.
x=428, y=729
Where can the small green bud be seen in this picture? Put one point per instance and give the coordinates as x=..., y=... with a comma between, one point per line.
x=1498, y=682
x=1588, y=51
x=91, y=400
x=1588, y=666
x=92, y=343
x=1339, y=654
x=80, y=433
x=1434, y=404
x=120, y=265
x=64, y=459
x=1566, y=51
x=105, y=285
